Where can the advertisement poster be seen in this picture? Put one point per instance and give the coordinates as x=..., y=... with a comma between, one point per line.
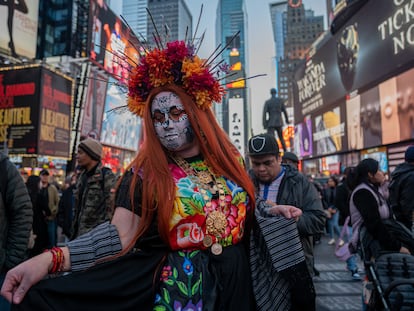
x=304, y=137
x=20, y=109
x=55, y=118
x=236, y=123
x=405, y=103
x=120, y=128
x=389, y=111
x=371, y=118
x=19, y=37
x=94, y=104
x=365, y=49
x=112, y=45
x=35, y=111
x=353, y=116
x=329, y=131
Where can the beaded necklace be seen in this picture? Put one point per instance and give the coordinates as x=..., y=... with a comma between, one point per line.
x=216, y=221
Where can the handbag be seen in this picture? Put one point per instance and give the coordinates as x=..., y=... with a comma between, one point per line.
x=342, y=252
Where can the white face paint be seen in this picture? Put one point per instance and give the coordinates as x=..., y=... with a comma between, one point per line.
x=171, y=122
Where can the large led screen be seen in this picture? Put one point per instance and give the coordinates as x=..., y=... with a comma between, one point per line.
x=112, y=45
x=19, y=20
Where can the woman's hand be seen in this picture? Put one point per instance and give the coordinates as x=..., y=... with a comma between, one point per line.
x=19, y=279
x=288, y=211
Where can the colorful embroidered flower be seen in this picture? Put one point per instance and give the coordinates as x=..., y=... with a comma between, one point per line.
x=165, y=273
x=188, y=266
x=188, y=235
x=189, y=307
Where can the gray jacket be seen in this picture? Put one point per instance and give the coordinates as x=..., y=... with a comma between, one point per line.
x=16, y=216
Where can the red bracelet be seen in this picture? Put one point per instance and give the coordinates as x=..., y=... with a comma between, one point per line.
x=58, y=260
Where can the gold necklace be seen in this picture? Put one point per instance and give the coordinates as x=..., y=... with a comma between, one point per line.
x=216, y=221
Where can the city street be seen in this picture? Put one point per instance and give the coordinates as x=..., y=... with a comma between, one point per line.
x=335, y=288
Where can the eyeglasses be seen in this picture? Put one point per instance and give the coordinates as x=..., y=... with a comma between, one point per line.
x=173, y=114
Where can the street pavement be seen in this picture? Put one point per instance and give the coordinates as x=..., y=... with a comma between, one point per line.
x=335, y=288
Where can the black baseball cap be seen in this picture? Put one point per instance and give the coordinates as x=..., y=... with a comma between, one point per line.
x=263, y=144
x=290, y=156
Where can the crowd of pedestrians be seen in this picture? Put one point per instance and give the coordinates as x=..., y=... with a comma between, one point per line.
x=280, y=188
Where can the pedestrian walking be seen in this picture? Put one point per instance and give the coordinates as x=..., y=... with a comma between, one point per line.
x=40, y=213
x=343, y=193
x=329, y=195
x=49, y=195
x=401, y=194
x=94, y=193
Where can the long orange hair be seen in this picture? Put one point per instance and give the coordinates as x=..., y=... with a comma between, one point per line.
x=158, y=189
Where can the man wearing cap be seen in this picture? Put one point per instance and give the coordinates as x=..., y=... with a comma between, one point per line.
x=94, y=191
x=50, y=194
x=272, y=116
x=401, y=194
x=284, y=185
x=290, y=158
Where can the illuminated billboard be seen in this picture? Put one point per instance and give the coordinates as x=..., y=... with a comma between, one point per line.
x=112, y=46
x=19, y=37
x=94, y=104
x=120, y=128
x=35, y=111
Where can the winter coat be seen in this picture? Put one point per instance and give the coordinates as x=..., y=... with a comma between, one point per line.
x=94, y=199
x=16, y=216
x=66, y=208
x=342, y=202
x=401, y=194
x=295, y=189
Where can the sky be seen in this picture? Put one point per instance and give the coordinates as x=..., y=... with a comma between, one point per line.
x=260, y=42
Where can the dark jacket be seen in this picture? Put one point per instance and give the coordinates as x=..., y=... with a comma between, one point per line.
x=342, y=201
x=66, y=209
x=295, y=189
x=401, y=193
x=272, y=112
x=94, y=198
x=16, y=216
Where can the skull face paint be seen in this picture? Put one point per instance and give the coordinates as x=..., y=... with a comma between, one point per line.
x=171, y=121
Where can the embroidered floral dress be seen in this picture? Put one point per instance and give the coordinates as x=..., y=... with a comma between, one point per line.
x=193, y=278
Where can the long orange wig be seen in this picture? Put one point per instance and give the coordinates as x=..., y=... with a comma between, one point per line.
x=158, y=189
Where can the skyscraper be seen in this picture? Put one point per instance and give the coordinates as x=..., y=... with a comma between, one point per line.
x=135, y=13
x=233, y=114
x=279, y=30
x=172, y=18
x=300, y=28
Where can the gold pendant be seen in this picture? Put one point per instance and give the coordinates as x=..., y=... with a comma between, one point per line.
x=204, y=177
x=216, y=249
x=207, y=241
x=216, y=223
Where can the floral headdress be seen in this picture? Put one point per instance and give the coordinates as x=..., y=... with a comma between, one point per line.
x=177, y=63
